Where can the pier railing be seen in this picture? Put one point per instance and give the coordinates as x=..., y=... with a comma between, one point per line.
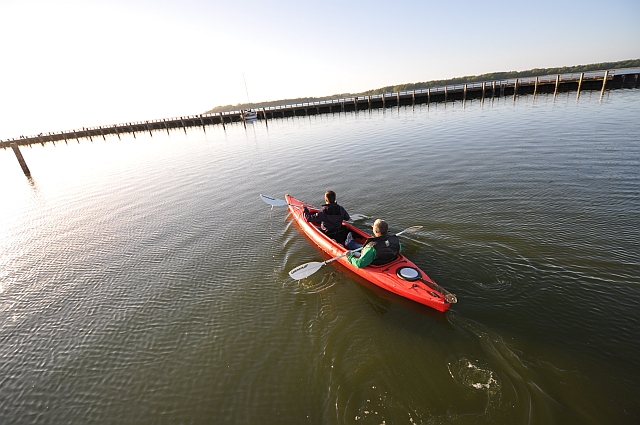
x=592, y=80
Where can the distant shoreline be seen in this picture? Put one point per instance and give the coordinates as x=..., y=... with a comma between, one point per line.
x=436, y=83
x=505, y=84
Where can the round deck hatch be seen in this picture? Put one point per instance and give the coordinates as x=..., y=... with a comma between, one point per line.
x=408, y=273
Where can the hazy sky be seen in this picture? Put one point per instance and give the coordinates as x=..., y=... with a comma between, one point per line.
x=69, y=64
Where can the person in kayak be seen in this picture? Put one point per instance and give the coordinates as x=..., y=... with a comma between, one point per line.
x=330, y=218
x=381, y=249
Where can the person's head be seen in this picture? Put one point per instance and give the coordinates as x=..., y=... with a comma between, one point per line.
x=330, y=197
x=380, y=227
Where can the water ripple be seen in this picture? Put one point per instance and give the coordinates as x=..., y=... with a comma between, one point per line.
x=143, y=281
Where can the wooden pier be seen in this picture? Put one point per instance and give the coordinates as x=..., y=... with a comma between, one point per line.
x=595, y=80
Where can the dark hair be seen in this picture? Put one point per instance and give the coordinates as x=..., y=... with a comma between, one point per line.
x=331, y=196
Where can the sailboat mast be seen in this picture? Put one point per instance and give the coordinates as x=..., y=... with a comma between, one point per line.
x=245, y=88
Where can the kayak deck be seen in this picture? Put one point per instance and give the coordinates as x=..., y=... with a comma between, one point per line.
x=400, y=276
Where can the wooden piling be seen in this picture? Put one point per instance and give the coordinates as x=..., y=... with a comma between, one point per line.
x=515, y=89
x=464, y=93
x=398, y=99
x=555, y=92
x=428, y=96
x=493, y=89
x=264, y=115
x=445, y=94
x=604, y=82
x=222, y=121
x=579, y=85
x=535, y=87
x=383, y=105
x=484, y=87
x=21, y=160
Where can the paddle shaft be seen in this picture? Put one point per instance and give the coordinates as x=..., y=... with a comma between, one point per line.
x=275, y=202
x=343, y=255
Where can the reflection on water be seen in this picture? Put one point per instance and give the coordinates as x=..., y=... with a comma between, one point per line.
x=143, y=281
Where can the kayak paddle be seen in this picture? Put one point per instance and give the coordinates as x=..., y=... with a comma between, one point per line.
x=274, y=202
x=308, y=269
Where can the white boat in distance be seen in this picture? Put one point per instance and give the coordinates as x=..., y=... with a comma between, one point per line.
x=249, y=115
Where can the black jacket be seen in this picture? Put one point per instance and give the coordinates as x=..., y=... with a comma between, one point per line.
x=330, y=218
x=386, y=246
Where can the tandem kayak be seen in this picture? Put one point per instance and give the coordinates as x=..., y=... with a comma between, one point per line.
x=401, y=276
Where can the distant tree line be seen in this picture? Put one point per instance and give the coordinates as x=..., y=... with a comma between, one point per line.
x=632, y=63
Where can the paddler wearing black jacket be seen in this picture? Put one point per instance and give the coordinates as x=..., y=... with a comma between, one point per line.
x=330, y=218
x=381, y=249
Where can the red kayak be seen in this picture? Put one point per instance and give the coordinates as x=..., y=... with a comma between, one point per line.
x=401, y=276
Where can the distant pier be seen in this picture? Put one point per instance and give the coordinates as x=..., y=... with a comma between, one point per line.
x=595, y=80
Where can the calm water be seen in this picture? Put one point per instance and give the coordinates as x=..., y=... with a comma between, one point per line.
x=142, y=280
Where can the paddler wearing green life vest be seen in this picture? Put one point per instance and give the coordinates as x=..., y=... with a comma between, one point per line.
x=381, y=249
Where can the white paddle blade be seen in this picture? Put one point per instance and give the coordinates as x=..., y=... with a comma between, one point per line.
x=305, y=270
x=358, y=217
x=273, y=201
x=410, y=230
